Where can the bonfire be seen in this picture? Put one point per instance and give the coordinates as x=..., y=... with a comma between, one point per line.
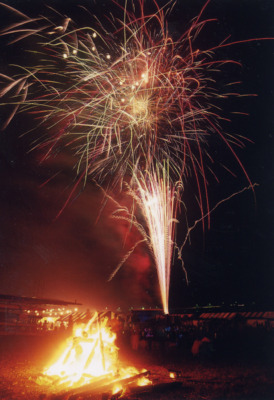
x=89, y=363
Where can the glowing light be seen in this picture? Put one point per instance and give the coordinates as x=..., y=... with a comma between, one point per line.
x=117, y=389
x=91, y=352
x=158, y=199
x=143, y=381
x=49, y=320
x=140, y=107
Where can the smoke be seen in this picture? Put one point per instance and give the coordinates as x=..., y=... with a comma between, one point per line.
x=71, y=256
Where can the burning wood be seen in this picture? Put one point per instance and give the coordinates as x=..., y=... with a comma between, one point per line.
x=106, y=384
x=114, y=386
x=89, y=364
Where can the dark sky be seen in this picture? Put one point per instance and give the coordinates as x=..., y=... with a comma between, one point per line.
x=71, y=257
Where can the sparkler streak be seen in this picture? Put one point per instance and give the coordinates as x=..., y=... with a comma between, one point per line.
x=180, y=249
x=158, y=201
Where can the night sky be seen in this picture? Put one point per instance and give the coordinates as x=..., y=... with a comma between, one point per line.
x=71, y=256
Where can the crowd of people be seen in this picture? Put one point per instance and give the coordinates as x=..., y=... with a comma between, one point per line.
x=204, y=340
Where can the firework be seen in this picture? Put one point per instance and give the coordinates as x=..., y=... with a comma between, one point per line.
x=128, y=101
x=159, y=200
x=123, y=100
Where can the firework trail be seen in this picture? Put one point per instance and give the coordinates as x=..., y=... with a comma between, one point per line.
x=158, y=200
x=128, y=101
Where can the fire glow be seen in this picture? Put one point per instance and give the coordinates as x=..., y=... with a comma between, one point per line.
x=91, y=358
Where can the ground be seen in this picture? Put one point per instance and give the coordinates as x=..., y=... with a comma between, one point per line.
x=22, y=359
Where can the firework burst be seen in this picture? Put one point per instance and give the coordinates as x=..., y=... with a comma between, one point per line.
x=123, y=100
x=128, y=101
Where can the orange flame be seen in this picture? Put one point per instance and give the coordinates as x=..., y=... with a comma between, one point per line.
x=91, y=354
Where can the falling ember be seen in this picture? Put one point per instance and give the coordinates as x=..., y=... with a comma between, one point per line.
x=91, y=358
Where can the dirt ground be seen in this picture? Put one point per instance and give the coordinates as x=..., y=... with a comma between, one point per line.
x=22, y=360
